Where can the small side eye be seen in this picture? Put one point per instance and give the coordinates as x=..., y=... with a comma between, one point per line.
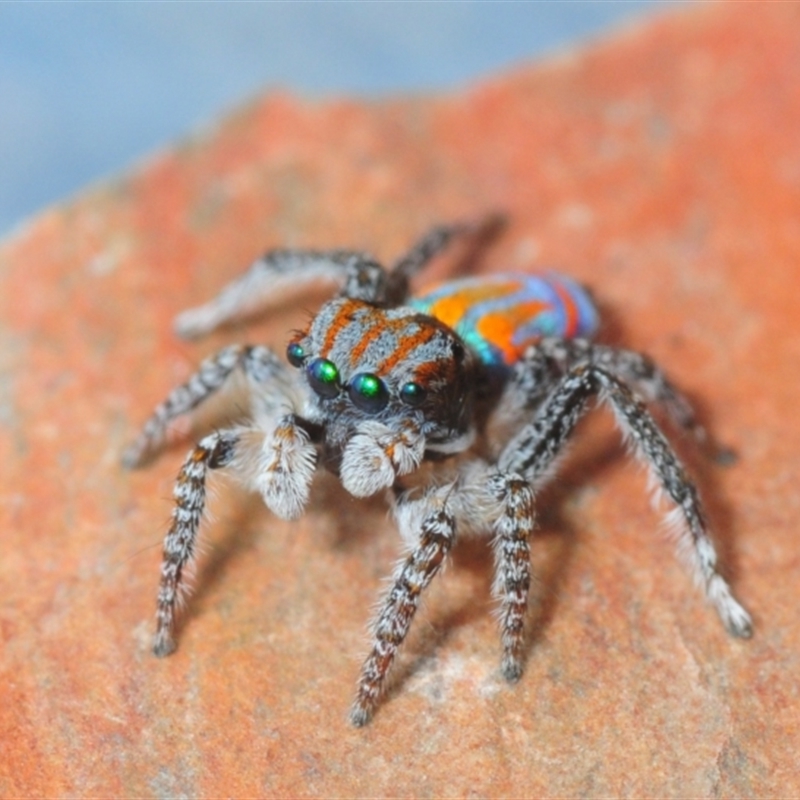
x=323, y=377
x=412, y=394
x=296, y=354
x=368, y=392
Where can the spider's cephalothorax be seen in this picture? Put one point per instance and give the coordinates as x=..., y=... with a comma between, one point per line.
x=385, y=366
x=483, y=378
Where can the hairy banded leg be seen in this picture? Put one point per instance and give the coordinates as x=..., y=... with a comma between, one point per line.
x=279, y=272
x=214, y=451
x=259, y=364
x=640, y=373
x=429, y=246
x=279, y=465
x=400, y=605
x=533, y=450
x=513, y=566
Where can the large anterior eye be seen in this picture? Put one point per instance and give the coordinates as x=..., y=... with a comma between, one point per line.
x=368, y=392
x=296, y=354
x=323, y=377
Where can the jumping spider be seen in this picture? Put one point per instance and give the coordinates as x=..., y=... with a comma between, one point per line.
x=484, y=379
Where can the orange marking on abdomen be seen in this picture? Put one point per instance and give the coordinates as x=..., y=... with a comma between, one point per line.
x=500, y=327
x=451, y=308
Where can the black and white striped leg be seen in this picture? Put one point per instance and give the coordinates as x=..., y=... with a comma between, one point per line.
x=533, y=450
x=259, y=364
x=638, y=371
x=280, y=272
x=512, y=566
x=213, y=452
x=429, y=246
x=399, y=607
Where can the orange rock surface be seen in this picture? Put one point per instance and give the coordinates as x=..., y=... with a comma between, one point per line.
x=661, y=167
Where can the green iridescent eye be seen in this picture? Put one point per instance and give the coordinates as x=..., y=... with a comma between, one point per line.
x=368, y=392
x=412, y=394
x=323, y=377
x=296, y=354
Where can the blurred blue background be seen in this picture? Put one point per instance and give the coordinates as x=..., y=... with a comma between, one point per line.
x=86, y=88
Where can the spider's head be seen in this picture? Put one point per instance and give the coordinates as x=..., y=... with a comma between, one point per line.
x=366, y=362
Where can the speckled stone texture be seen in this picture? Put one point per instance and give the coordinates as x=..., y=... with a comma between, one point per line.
x=662, y=168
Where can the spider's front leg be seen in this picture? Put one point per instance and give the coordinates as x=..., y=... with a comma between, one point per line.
x=436, y=535
x=513, y=529
x=279, y=465
x=214, y=451
x=271, y=453
x=504, y=500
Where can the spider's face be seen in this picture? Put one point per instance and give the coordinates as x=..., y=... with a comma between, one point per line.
x=365, y=362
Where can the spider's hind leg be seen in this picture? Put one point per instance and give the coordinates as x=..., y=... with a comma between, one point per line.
x=361, y=277
x=430, y=245
x=280, y=272
x=533, y=450
x=641, y=374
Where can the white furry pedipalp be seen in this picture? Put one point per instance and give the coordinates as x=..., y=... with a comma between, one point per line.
x=377, y=454
x=285, y=470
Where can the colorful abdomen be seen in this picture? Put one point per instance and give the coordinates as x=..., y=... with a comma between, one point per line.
x=499, y=316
